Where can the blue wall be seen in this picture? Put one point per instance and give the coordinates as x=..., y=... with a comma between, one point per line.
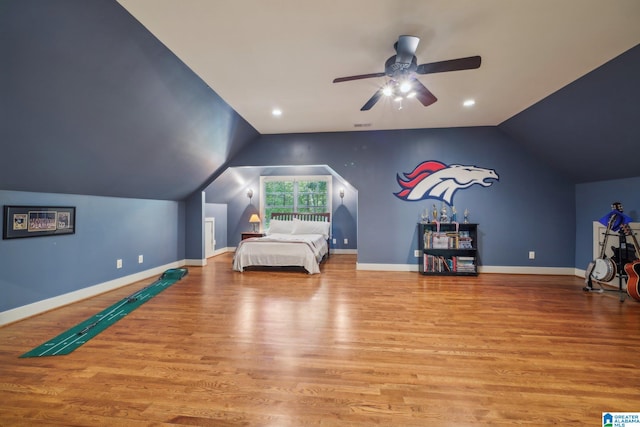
x=585, y=128
x=92, y=101
x=194, y=244
x=344, y=218
x=531, y=207
x=219, y=212
x=107, y=228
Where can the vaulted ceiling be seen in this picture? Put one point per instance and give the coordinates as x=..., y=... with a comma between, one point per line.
x=262, y=54
x=152, y=98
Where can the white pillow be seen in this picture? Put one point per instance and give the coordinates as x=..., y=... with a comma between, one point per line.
x=280, y=227
x=311, y=227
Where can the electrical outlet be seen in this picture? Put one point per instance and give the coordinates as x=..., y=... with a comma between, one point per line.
x=140, y=259
x=416, y=253
x=118, y=263
x=532, y=255
x=335, y=241
x=346, y=241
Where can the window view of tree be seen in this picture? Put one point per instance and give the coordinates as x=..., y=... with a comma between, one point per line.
x=312, y=196
x=278, y=197
x=286, y=194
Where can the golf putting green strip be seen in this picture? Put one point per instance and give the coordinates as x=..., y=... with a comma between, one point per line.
x=68, y=341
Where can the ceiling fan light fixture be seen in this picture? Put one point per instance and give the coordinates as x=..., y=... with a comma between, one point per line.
x=405, y=86
x=398, y=98
x=401, y=70
x=411, y=94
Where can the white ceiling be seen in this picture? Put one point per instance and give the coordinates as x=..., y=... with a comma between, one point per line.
x=261, y=54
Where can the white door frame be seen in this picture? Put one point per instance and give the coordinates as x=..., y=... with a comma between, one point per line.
x=209, y=240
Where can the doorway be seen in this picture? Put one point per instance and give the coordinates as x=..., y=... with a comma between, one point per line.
x=209, y=237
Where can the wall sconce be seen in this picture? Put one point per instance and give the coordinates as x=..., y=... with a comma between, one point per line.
x=254, y=220
x=249, y=194
x=341, y=195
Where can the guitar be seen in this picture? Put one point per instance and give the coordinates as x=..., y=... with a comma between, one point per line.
x=602, y=269
x=632, y=268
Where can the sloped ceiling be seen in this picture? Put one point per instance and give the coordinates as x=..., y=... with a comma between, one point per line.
x=261, y=54
x=588, y=129
x=92, y=103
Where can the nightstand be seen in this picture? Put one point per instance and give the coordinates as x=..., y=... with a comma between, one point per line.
x=248, y=234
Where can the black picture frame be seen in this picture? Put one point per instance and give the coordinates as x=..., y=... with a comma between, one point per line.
x=35, y=221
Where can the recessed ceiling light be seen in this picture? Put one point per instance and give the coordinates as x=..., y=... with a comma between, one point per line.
x=276, y=112
x=469, y=103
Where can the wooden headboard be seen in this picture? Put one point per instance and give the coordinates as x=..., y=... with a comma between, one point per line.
x=302, y=216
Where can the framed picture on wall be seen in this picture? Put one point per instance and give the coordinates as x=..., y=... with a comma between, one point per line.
x=35, y=221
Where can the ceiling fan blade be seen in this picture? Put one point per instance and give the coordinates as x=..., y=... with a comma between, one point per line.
x=372, y=101
x=358, y=77
x=406, y=48
x=467, y=63
x=423, y=94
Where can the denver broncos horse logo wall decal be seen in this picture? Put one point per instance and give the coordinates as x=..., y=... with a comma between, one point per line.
x=435, y=180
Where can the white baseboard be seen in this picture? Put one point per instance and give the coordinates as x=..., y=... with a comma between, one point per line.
x=561, y=271
x=555, y=271
x=39, y=307
x=386, y=267
x=344, y=251
x=222, y=251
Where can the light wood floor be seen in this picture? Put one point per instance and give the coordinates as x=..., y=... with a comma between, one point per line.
x=345, y=348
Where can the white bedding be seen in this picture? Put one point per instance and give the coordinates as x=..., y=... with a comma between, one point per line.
x=282, y=250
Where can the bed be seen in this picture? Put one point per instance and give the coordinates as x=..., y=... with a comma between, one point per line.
x=292, y=240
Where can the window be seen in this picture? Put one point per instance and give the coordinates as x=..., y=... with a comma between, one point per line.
x=294, y=194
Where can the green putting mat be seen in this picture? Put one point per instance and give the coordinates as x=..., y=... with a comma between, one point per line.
x=68, y=341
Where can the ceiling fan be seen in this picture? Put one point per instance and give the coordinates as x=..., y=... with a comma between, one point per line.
x=402, y=69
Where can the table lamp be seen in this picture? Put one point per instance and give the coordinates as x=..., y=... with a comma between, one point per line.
x=255, y=220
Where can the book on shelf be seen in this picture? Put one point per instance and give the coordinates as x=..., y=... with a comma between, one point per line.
x=436, y=264
x=440, y=240
x=441, y=264
x=465, y=243
x=453, y=240
x=466, y=264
